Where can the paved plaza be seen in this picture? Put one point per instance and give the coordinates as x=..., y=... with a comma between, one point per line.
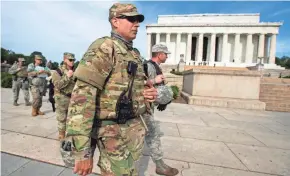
x=198, y=140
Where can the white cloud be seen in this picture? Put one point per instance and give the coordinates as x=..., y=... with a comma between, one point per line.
x=280, y=12
x=57, y=27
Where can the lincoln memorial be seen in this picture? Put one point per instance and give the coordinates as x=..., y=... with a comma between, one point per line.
x=231, y=40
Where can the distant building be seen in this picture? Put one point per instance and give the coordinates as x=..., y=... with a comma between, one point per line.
x=232, y=40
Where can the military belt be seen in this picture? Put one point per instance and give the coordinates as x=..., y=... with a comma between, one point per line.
x=104, y=122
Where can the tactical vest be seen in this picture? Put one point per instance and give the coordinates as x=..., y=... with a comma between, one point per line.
x=22, y=73
x=118, y=82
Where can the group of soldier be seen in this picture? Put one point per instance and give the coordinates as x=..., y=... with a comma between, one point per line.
x=33, y=77
x=107, y=102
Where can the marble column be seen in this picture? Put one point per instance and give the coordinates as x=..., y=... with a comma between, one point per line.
x=272, y=49
x=199, y=47
x=188, y=48
x=261, y=47
x=170, y=57
x=149, y=45
x=178, y=39
x=168, y=39
x=212, y=48
x=249, y=49
x=237, y=50
x=157, y=38
x=208, y=49
x=266, y=49
x=225, y=50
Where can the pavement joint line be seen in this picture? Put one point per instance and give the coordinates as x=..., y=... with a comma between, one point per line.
x=269, y=147
x=181, y=123
x=13, y=116
x=61, y=172
x=251, y=145
x=235, y=168
x=178, y=129
x=29, y=134
x=210, y=165
x=45, y=118
x=51, y=134
x=221, y=115
x=204, y=121
x=255, y=138
x=33, y=159
x=236, y=156
x=22, y=166
x=270, y=129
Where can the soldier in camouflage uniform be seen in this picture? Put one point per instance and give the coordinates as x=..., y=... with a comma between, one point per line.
x=63, y=82
x=102, y=75
x=20, y=81
x=38, y=75
x=152, y=138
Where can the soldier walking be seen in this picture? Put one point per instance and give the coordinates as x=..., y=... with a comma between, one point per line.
x=20, y=81
x=108, y=99
x=164, y=97
x=63, y=82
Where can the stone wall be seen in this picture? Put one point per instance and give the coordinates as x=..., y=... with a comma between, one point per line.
x=168, y=68
x=275, y=92
x=174, y=80
x=223, y=88
x=276, y=73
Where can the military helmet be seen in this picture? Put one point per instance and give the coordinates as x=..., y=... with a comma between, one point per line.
x=164, y=94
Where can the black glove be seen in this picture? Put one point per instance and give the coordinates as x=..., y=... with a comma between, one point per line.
x=161, y=107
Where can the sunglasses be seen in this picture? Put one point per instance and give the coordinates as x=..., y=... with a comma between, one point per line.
x=131, y=19
x=71, y=60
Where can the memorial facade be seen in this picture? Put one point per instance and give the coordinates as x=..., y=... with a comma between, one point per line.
x=231, y=40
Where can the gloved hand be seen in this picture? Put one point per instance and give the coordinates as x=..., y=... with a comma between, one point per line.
x=162, y=107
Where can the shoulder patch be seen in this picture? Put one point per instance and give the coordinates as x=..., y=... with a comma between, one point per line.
x=107, y=46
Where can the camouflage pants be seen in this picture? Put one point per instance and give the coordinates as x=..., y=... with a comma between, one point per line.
x=152, y=137
x=120, y=147
x=37, y=97
x=16, y=86
x=61, y=102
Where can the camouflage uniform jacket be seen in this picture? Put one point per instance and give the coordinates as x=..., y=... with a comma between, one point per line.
x=101, y=72
x=151, y=76
x=62, y=84
x=33, y=73
x=22, y=73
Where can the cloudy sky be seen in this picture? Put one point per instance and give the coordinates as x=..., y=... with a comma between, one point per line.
x=54, y=27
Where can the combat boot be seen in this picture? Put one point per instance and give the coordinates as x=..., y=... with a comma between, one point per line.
x=34, y=112
x=15, y=103
x=39, y=112
x=164, y=169
x=61, y=135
